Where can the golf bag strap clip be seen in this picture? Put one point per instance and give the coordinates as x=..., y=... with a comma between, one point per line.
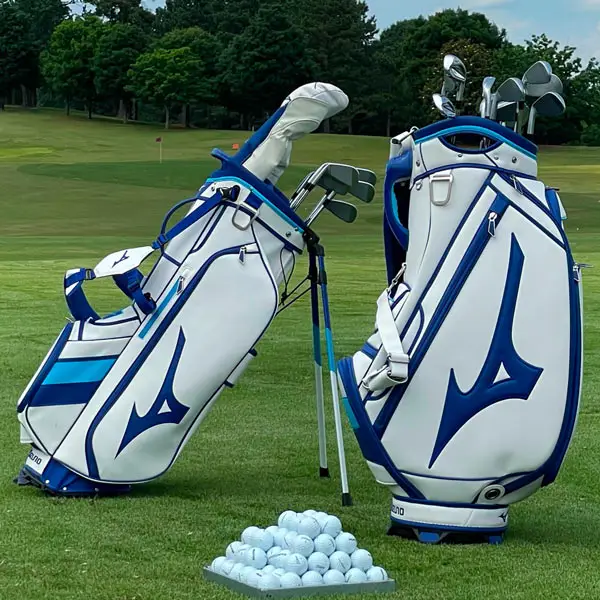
x=247, y=207
x=447, y=178
x=129, y=284
x=395, y=370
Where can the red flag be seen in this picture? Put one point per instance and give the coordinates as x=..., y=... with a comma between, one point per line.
x=159, y=140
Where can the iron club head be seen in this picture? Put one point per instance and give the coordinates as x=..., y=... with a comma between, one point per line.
x=488, y=84
x=548, y=105
x=342, y=210
x=536, y=90
x=538, y=72
x=444, y=106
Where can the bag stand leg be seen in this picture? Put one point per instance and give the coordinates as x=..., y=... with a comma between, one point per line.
x=317, y=252
x=313, y=275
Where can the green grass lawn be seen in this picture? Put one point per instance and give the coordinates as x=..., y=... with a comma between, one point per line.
x=72, y=191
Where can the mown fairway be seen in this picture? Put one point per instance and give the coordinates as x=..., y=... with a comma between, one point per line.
x=72, y=191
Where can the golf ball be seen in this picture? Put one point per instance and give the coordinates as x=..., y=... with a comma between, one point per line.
x=377, y=574
x=312, y=578
x=267, y=581
x=362, y=559
x=236, y=571
x=272, y=529
x=256, y=536
x=318, y=562
x=252, y=578
x=255, y=557
x=355, y=575
x=264, y=539
x=246, y=572
x=271, y=552
x=290, y=580
x=226, y=567
x=268, y=569
x=333, y=577
x=332, y=526
x=279, y=537
x=233, y=549
x=279, y=572
x=302, y=544
x=289, y=520
x=340, y=561
x=310, y=513
x=247, y=533
x=279, y=559
x=321, y=517
x=296, y=563
x=346, y=542
x=309, y=526
x=325, y=543
x=218, y=563
x=288, y=540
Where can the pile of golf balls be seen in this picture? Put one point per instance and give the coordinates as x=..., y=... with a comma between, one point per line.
x=303, y=550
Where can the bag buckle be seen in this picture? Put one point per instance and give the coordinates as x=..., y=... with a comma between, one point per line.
x=447, y=178
x=250, y=209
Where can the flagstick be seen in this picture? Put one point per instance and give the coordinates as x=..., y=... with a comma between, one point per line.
x=160, y=152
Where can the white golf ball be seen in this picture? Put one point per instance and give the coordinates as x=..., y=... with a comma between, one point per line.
x=252, y=578
x=311, y=578
x=325, y=543
x=271, y=552
x=355, y=575
x=236, y=571
x=255, y=557
x=218, y=563
x=289, y=520
x=318, y=562
x=296, y=563
x=264, y=539
x=233, y=549
x=272, y=529
x=278, y=559
x=377, y=574
x=302, y=544
x=333, y=577
x=247, y=534
x=340, y=561
x=362, y=559
x=256, y=536
x=346, y=542
x=226, y=567
x=332, y=526
x=240, y=553
x=267, y=581
x=268, y=569
x=290, y=580
x=288, y=540
x=279, y=537
x=310, y=513
x=321, y=517
x=246, y=572
x=309, y=526
x=279, y=572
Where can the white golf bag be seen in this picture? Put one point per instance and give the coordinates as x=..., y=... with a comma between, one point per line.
x=465, y=398
x=117, y=398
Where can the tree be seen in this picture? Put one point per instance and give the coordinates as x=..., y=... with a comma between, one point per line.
x=118, y=48
x=68, y=64
x=15, y=53
x=264, y=63
x=129, y=12
x=166, y=78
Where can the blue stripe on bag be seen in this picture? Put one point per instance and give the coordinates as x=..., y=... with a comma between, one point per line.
x=79, y=371
x=63, y=394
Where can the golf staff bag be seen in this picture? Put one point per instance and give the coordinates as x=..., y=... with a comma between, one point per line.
x=465, y=398
x=117, y=397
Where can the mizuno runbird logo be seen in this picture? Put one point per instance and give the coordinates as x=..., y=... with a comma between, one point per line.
x=505, y=375
x=124, y=257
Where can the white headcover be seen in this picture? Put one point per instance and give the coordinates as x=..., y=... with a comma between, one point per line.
x=307, y=108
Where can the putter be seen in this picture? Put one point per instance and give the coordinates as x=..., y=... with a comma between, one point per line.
x=488, y=84
x=548, y=105
x=444, y=106
x=539, y=72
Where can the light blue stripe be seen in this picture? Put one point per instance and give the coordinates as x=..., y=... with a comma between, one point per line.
x=259, y=195
x=330, y=357
x=159, y=310
x=475, y=129
x=351, y=417
x=79, y=371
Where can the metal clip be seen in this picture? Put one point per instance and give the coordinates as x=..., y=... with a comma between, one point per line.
x=492, y=223
x=251, y=209
x=577, y=270
x=517, y=184
x=441, y=178
x=397, y=278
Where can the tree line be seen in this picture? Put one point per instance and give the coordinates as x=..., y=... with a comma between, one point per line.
x=229, y=63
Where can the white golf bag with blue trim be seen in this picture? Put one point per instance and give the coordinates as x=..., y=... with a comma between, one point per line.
x=117, y=398
x=465, y=397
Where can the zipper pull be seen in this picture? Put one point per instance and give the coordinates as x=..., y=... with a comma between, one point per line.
x=492, y=223
x=242, y=254
x=577, y=270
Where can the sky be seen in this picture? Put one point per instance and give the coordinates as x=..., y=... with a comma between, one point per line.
x=570, y=22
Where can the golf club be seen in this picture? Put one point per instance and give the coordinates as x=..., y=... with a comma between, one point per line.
x=548, y=105
x=488, y=84
x=535, y=90
x=444, y=106
x=455, y=77
x=507, y=112
x=367, y=176
x=339, y=177
x=539, y=72
x=342, y=210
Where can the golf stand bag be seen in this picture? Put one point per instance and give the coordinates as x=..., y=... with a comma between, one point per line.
x=465, y=398
x=117, y=397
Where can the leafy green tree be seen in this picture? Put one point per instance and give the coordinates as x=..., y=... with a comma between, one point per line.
x=264, y=63
x=15, y=53
x=68, y=63
x=166, y=78
x=129, y=12
x=118, y=48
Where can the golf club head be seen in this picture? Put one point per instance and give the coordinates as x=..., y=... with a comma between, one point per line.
x=342, y=210
x=339, y=178
x=455, y=77
x=548, y=105
x=488, y=84
x=536, y=90
x=367, y=176
x=511, y=90
x=507, y=112
x=444, y=106
x=539, y=72
x=363, y=191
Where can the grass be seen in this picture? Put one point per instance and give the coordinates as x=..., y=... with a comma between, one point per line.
x=72, y=191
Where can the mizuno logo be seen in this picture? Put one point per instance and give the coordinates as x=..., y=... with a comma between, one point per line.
x=165, y=408
x=504, y=376
x=124, y=257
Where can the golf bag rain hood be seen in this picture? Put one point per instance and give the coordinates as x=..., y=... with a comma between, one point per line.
x=117, y=398
x=465, y=398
